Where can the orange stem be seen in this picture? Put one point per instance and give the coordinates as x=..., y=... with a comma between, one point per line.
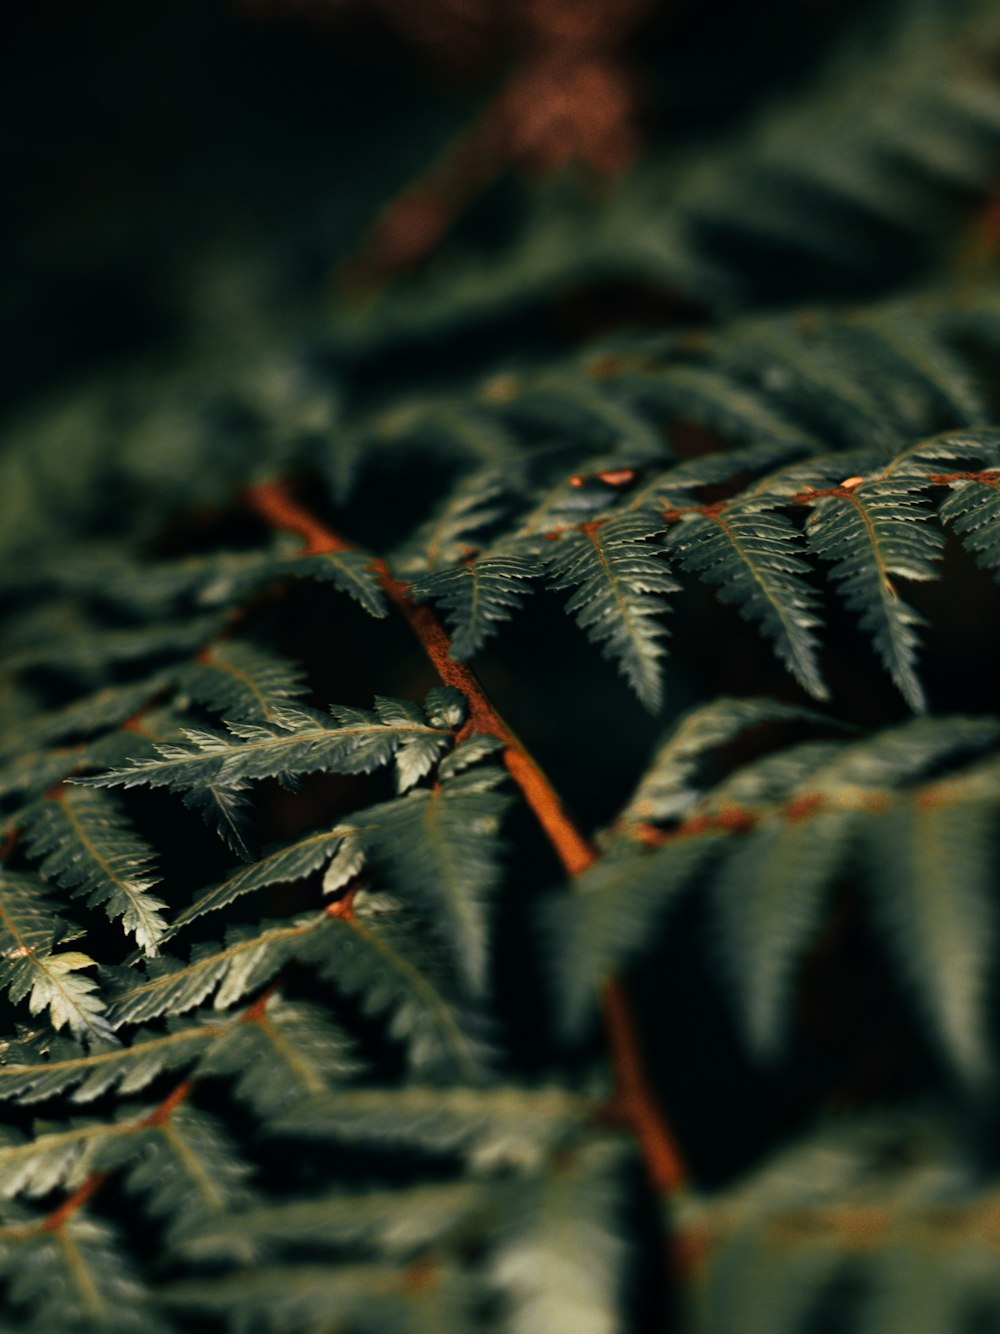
x=157, y=1117
x=163, y=1112
x=273, y=503
x=54, y=1221
x=633, y=1101
x=415, y=220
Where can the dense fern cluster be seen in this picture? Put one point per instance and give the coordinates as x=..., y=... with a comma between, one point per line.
x=306, y=1026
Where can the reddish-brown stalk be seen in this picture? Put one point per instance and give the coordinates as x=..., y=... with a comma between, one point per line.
x=59, y=1216
x=159, y=1116
x=633, y=1102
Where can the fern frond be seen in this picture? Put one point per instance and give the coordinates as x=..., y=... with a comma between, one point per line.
x=297, y=741
x=32, y=969
x=560, y=1266
x=714, y=397
x=395, y=1222
x=617, y=576
x=349, y=571
x=769, y=898
x=241, y=681
x=666, y=790
x=819, y=377
x=75, y=1277
x=972, y=508
x=182, y=1166
x=933, y=1298
x=91, y=650
x=32, y=775
x=851, y=1201
x=261, y=1050
x=872, y=534
x=386, y=1107
x=222, y=580
x=376, y=951
x=437, y=849
x=859, y=159
x=902, y=756
x=931, y=869
x=28, y=1076
x=454, y=529
x=84, y=841
x=108, y=707
x=617, y=906
x=227, y=811
x=281, y=866
x=451, y=428
x=769, y=891
x=911, y=352
x=378, y=1298
x=478, y=595
x=64, y=1157
x=501, y=1125
x=754, y=556
x=597, y=412
x=247, y=960
x=393, y=961
x=278, y=1053
x=670, y=489
x=771, y=1291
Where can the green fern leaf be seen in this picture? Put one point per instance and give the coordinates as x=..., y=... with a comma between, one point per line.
x=241, y=681
x=83, y=841
x=75, y=1278
x=478, y=595
x=247, y=960
x=297, y=741
x=378, y=1298
x=227, y=811
x=667, y=790
x=932, y=884
x=768, y=1291
x=453, y=531
x=29, y=1076
x=908, y=352
x=90, y=651
x=109, y=707
x=281, y=866
x=437, y=850
x=872, y=534
x=183, y=1166
x=395, y=1222
x=940, y=1294
x=618, y=576
x=31, y=969
x=496, y=1126
x=351, y=572
x=754, y=557
x=612, y=916
x=392, y=959
x=972, y=508
x=713, y=397
x=560, y=1266
x=769, y=897
x=278, y=1053
x=63, y=1157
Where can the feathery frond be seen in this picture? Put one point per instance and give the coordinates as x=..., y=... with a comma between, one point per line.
x=82, y=840
x=617, y=576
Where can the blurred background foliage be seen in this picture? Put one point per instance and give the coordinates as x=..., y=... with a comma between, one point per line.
x=195, y=183
x=162, y=159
